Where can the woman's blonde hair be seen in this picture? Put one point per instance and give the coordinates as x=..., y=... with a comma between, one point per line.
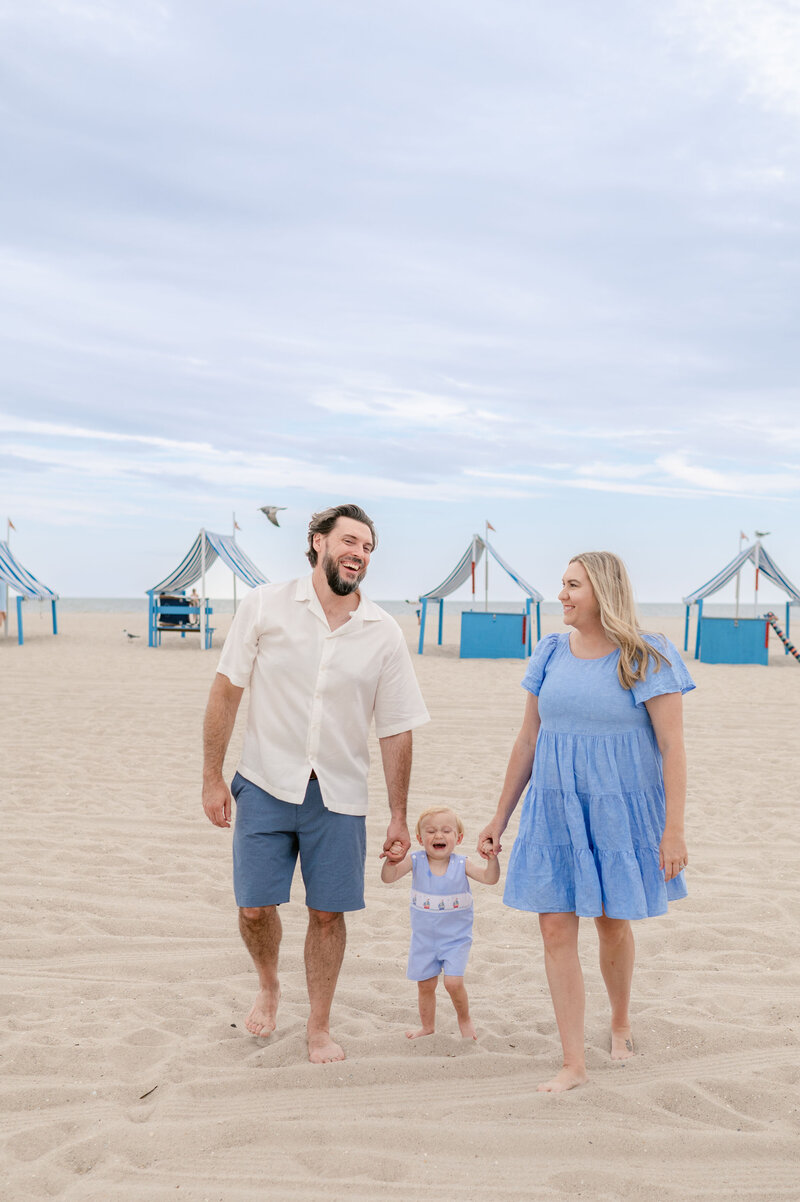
x=609, y=579
x=438, y=810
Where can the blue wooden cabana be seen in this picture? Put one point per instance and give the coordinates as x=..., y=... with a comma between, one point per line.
x=473, y=640
x=168, y=609
x=738, y=639
x=19, y=580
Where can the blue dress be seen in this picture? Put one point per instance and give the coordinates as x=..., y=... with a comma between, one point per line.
x=441, y=919
x=594, y=813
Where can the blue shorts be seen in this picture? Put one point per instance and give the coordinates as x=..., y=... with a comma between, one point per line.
x=268, y=835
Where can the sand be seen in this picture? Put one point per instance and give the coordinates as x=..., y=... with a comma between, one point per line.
x=128, y=1074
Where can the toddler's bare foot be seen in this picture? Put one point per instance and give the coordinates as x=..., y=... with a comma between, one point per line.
x=322, y=1049
x=419, y=1034
x=621, y=1044
x=262, y=1018
x=467, y=1028
x=566, y=1079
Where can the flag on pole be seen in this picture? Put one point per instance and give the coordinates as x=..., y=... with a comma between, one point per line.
x=489, y=526
x=236, y=525
x=11, y=525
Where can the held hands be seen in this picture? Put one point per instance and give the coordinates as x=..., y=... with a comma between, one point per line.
x=672, y=855
x=217, y=802
x=489, y=844
x=394, y=853
x=397, y=842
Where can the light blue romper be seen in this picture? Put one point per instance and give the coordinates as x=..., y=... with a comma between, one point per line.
x=441, y=919
x=594, y=814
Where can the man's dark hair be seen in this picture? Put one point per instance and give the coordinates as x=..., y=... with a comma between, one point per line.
x=324, y=521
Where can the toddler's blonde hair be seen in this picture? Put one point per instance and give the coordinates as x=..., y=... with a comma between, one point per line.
x=431, y=810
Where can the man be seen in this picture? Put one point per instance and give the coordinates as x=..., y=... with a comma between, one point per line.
x=321, y=660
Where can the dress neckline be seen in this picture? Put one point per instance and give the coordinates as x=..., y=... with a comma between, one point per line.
x=589, y=659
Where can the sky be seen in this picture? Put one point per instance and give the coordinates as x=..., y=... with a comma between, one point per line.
x=454, y=260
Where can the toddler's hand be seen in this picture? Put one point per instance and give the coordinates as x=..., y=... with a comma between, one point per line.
x=394, y=852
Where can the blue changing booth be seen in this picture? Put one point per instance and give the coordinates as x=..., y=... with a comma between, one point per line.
x=485, y=634
x=494, y=636
x=734, y=641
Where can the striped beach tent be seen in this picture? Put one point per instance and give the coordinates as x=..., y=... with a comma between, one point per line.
x=19, y=580
x=466, y=570
x=764, y=565
x=204, y=551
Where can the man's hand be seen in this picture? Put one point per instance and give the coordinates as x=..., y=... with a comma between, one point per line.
x=397, y=843
x=217, y=802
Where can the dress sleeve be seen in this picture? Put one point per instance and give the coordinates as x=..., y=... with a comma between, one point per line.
x=671, y=678
x=537, y=665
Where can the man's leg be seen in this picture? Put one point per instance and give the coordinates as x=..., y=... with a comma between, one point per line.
x=261, y=931
x=324, y=952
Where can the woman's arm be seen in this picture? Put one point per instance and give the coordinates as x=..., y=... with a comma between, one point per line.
x=518, y=773
x=666, y=714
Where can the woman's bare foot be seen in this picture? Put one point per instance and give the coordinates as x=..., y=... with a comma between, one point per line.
x=262, y=1018
x=566, y=1079
x=621, y=1044
x=467, y=1028
x=322, y=1049
x=419, y=1034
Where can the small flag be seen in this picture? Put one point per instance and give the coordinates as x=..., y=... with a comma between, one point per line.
x=489, y=526
x=236, y=525
x=11, y=525
x=742, y=534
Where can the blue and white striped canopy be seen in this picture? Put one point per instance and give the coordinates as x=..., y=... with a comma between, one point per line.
x=462, y=572
x=20, y=579
x=755, y=554
x=224, y=546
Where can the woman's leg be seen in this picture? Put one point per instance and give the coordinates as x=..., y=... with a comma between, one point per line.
x=427, y=1008
x=617, y=953
x=564, y=976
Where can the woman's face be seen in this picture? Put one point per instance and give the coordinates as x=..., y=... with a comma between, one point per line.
x=577, y=597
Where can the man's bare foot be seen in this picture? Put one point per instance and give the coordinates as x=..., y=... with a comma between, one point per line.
x=262, y=1018
x=419, y=1034
x=566, y=1079
x=467, y=1028
x=621, y=1044
x=322, y=1049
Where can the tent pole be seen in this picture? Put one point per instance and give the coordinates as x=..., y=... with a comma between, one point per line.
x=686, y=630
x=486, y=568
x=234, y=574
x=441, y=618
x=20, y=637
x=538, y=621
x=699, y=624
x=757, y=561
x=788, y=603
x=422, y=625
x=55, y=620
x=203, y=622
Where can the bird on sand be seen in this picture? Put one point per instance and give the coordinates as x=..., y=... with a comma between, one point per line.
x=131, y=636
x=269, y=512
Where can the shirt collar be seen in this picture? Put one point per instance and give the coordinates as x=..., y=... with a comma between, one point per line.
x=367, y=610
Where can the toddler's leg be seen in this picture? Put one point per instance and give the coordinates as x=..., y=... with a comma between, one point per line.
x=427, y=1007
x=458, y=996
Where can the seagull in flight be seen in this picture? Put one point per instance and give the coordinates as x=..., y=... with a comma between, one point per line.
x=269, y=511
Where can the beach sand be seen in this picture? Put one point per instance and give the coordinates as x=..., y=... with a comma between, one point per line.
x=128, y=1074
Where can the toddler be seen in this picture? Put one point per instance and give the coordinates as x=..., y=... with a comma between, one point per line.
x=441, y=913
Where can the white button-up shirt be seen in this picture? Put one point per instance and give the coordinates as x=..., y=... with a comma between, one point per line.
x=314, y=692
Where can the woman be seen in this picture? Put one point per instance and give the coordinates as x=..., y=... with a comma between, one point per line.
x=601, y=830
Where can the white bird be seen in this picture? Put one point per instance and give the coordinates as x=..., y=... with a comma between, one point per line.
x=131, y=636
x=269, y=512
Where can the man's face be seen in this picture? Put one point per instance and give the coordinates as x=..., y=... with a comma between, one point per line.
x=344, y=555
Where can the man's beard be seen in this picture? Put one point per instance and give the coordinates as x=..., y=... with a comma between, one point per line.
x=337, y=583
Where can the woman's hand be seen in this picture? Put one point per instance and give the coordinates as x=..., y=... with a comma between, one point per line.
x=489, y=844
x=672, y=855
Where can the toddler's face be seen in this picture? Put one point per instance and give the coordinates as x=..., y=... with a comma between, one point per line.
x=439, y=835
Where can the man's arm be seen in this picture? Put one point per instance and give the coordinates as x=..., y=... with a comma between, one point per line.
x=396, y=756
x=223, y=704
